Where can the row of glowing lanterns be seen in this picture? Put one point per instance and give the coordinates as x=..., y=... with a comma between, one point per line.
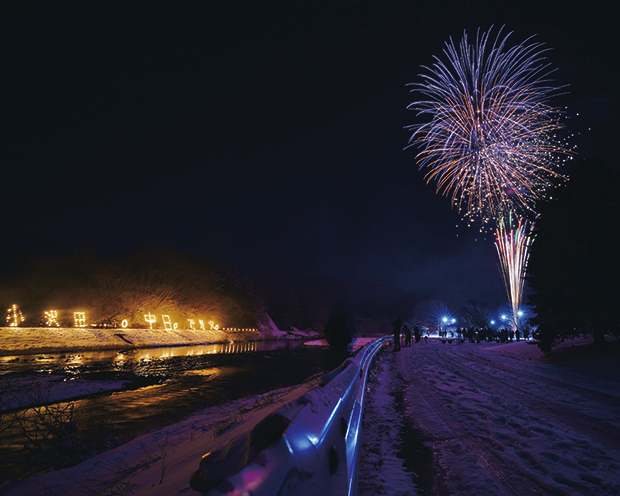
x=15, y=318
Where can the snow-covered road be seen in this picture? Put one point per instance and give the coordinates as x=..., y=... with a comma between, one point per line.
x=473, y=419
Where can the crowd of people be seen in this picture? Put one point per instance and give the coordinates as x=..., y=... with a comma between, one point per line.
x=402, y=330
x=340, y=332
x=494, y=335
x=403, y=334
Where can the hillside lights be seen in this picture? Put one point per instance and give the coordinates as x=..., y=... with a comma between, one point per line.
x=79, y=319
x=14, y=316
x=167, y=322
x=51, y=319
x=151, y=319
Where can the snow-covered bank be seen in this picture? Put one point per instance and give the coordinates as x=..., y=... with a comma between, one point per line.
x=496, y=419
x=37, y=389
x=161, y=462
x=578, y=353
x=21, y=340
x=356, y=345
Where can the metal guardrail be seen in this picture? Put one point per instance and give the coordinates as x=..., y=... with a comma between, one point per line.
x=310, y=446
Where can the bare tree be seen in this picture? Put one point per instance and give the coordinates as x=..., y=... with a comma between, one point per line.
x=475, y=315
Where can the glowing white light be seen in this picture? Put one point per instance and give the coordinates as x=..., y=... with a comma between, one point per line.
x=79, y=319
x=513, y=248
x=202, y=324
x=192, y=324
x=51, y=318
x=124, y=324
x=14, y=316
x=151, y=319
x=167, y=322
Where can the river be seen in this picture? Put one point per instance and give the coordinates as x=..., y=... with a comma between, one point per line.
x=144, y=389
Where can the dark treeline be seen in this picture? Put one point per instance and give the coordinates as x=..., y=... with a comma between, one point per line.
x=184, y=286
x=574, y=266
x=112, y=289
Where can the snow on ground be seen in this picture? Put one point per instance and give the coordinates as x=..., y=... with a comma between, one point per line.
x=20, y=392
x=20, y=340
x=497, y=420
x=490, y=420
x=356, y=345
x=160, y=463
x=43, y=339
x=381, y=472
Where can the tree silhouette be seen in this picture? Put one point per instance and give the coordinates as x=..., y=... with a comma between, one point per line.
x=574, y=269
x=475, y=315
x=149, y=280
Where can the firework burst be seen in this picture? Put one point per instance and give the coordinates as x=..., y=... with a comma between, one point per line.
x=491, y=144
x=513, y=248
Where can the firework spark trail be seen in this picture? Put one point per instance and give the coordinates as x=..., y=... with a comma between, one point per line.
x=490, y=144
x=513, y=248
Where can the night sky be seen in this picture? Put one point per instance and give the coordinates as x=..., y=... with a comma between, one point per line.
x=266, y=135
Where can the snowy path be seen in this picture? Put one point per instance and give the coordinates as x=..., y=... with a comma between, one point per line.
x=495, y=423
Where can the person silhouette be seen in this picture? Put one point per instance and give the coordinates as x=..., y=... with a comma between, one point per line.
x=397, y=325
x=407, y=333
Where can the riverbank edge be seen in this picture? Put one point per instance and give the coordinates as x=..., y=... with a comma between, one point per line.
x=29, y=341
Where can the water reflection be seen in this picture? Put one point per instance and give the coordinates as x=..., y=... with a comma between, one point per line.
x=44, y=361
x=153, y=387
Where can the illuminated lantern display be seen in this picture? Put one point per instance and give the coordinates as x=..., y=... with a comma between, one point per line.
x=167, y=323
x=51, y=319
x=80, y=319
x=14, y=316
x=150, y=319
